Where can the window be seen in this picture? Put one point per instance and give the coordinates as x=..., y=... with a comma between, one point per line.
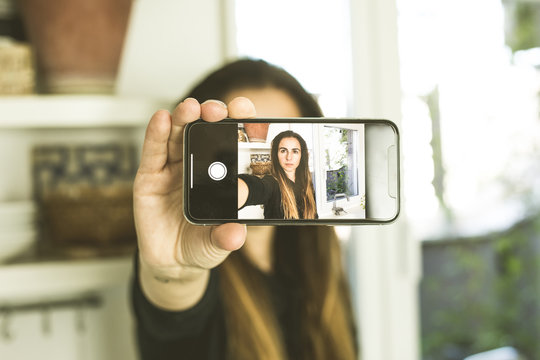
x=306, y=38
x=470, y=119
x=339, y=165
x=340, y=162
x=307, y=47
x=471, y=135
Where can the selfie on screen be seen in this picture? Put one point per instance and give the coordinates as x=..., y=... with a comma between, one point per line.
x=301, y=171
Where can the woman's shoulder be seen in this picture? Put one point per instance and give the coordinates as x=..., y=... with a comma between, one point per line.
x=270, y=179
x=251, y=179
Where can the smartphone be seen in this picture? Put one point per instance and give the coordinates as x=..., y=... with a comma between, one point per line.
x=292, y=171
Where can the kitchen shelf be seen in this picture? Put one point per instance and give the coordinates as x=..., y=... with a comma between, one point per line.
x=64, y=278
x=254, y=145
x=46, y=280
x=76, y=111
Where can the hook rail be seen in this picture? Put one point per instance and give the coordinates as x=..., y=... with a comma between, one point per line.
x=45, y=307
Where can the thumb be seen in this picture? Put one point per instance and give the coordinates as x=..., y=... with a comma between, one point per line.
x=207, y=247
x=229, y=236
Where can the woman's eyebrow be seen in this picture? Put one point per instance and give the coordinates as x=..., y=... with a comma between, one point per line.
x=284, y=148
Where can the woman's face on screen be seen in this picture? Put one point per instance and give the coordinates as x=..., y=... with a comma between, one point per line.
x=289, y=154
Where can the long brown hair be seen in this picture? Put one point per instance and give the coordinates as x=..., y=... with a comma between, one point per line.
x=258, y=74
x=302, y=178
x=308, y=258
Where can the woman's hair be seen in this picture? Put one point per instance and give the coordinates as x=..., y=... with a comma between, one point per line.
x=302, y=178
x=306, y=258
x=257, y=74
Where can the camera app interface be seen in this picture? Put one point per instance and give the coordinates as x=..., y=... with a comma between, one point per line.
x=301, y=171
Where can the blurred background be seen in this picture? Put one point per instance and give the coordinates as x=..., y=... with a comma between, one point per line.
x=457, y=276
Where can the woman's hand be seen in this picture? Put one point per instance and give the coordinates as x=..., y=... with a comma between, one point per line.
x=175, y=255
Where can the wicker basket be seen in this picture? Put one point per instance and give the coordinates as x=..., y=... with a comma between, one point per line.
x=260, y=167
x=89, y=218
x=17, y=75
x=84, y=192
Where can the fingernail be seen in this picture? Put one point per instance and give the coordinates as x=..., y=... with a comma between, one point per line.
x=184, y=100
x=221, y=103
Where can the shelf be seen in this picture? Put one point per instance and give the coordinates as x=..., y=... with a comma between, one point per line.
x=61, y=279
x=76, y=111
x=254, y=145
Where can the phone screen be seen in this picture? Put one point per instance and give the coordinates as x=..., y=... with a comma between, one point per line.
x=291, y=171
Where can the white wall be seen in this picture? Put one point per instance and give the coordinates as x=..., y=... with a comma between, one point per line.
x=170, y=44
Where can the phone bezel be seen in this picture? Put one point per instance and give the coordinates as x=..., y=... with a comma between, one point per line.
x=316, y=120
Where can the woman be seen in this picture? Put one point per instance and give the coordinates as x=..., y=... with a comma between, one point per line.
x=288, y=192
x=231, y=292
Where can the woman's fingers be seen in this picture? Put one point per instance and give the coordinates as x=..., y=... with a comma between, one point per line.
x=187, y=111
x=154, y=153
x=213, y=110
x=238, y=108
x=241, y=108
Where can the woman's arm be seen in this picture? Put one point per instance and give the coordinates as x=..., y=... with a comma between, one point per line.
x=253, y=190
x=243, y=192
